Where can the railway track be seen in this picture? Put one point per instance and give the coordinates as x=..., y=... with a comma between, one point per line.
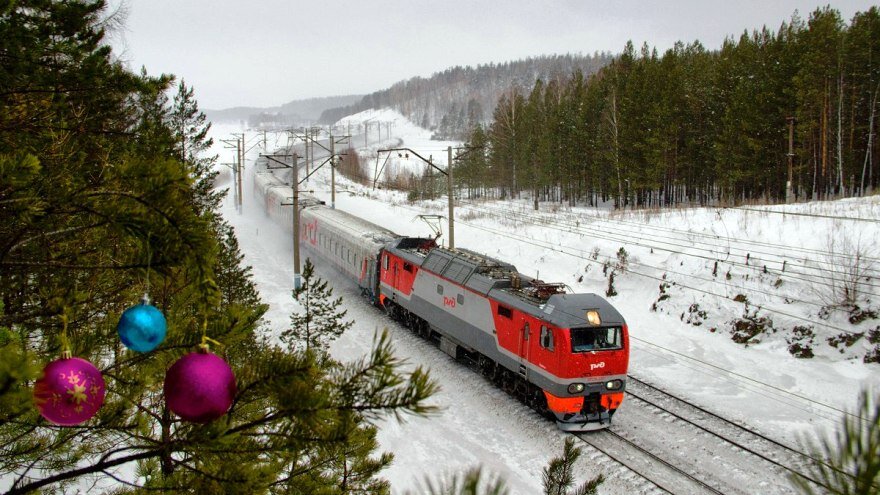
x=749, y=440
x=718, y=455
x=661, y=473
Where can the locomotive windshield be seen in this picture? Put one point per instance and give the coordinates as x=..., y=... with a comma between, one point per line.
x=596, y=339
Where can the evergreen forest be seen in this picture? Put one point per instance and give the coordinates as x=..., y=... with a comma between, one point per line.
x=105, y=195
x=696, y=126
x=454, y=100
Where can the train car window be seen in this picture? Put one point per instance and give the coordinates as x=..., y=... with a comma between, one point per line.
x=408, y=267
x=505, y=312
x=596, y=339
x=546, y=338
x=439, y=289
x=460, y=299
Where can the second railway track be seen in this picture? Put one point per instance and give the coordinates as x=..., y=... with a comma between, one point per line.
x=682, y=448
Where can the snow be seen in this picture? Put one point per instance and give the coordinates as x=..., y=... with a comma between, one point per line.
x=761, y=385
x=404, y=134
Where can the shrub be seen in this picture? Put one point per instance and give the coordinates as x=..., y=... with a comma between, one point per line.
x=858, y=315
x=844, y=340
x=800, y=344
x=622, y=259
x=696, y=316
x=747, y=328
x=611, y=291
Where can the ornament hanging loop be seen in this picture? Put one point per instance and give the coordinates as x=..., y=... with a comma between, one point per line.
x=204, y=347
x=146, y=298
x=65, y=343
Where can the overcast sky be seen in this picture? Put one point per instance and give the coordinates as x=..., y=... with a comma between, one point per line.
x=269, y=52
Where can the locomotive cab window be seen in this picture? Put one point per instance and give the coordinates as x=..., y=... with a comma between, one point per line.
x=385, y=262
x=596, y=339
x=505, y=312
x=546, y=338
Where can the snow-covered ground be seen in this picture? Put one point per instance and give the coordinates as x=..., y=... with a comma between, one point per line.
x=680, y=342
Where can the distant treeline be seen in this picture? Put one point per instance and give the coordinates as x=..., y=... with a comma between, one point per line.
x=296, y=112
x=449, y=101
x=696, y=126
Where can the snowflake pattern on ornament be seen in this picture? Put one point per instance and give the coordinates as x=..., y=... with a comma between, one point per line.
x=70, y=392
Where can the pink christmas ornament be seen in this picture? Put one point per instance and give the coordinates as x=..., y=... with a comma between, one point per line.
x=70, y=391
x=199, y=387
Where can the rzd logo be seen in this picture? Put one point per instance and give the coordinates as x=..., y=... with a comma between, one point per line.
x=448, y=301
x=309, y=232
x=595, y=366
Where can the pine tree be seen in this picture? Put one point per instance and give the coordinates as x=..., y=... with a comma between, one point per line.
x=559, y=474
x=191, y=142
x=852, y=454
x=321, y=320
x=558, y=477
x=97, y=205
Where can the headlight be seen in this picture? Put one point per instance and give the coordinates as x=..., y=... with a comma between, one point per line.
x=613, y=385
x=576, y=388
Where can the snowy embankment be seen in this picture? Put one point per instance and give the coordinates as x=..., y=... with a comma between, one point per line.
x=688, y=282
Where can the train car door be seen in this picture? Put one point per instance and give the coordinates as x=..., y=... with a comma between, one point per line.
x=524, y=345
x=395, y=273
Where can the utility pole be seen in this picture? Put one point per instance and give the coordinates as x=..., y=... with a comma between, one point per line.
x=236, y=167
x=451, y=197
x=332, y=172
x=789, y=193
x=294, y=184
x=449, y=182
x=366, y=131
x=306, y=146
x=240, y=171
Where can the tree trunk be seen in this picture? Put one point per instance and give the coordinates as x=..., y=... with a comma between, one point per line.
x=868, y=150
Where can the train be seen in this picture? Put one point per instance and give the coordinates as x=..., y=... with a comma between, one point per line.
x=564, y=354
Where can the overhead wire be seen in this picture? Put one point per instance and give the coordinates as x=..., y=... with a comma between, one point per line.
x=621, y=237
x=556, y=248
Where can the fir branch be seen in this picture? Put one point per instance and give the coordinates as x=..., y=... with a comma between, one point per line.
x=74, y=473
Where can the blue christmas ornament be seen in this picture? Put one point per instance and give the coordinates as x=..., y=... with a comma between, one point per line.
x=142, y=328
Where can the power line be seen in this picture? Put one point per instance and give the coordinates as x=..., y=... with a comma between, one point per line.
x=620, y=237
x=548, y=245
x=815, y=215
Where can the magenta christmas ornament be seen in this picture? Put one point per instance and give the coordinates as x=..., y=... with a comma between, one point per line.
x=142, y=328
x=70, y=391
x=199, y=387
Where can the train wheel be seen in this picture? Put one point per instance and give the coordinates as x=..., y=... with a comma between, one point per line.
x=391, y=310
x=487, y=366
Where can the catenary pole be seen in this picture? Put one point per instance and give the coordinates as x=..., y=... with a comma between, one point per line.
x=296, y=234
x=332, y=172
x=451, y=197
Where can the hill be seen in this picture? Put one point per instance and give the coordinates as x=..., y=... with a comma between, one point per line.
x=449, y=101
x=295, y=112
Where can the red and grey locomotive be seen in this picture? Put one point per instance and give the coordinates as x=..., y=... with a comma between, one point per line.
x=565, y=354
